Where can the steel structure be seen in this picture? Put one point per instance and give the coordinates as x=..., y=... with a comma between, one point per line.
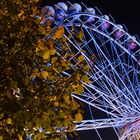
x=115, y=72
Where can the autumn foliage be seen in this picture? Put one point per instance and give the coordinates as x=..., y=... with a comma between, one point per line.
x=34, y=91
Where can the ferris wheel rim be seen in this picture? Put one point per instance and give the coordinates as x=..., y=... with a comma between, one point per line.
x=62, y=22
x=100, y=31
x=99, y=17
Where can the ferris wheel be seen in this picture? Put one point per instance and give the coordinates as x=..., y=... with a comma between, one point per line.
x=113, y=56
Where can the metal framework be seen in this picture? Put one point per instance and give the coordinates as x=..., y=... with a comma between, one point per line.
x=115, y=73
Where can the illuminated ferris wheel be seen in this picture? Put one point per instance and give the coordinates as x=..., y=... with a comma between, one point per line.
x=114, y=72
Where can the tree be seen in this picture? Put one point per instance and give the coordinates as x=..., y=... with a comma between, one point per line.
x=34, y=91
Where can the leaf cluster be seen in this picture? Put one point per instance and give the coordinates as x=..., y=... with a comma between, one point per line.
x=34, y=91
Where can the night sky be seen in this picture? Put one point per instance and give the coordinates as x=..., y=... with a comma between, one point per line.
x=124, y=12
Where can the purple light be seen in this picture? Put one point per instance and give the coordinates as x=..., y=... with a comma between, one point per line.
x=118, y=34
x=132, y=45
x=60, y=14
x=105, y=26
x=89, y=19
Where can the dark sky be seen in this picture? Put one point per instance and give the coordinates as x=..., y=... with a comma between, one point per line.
x=124, y=12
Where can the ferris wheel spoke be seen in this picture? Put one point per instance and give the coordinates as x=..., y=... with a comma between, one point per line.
x=91, y=113
x=110, y=100
x=115, y=99
x=112, y=68
x=115, y=41
x=115, y=79
x=93, y=105
x=117, y=88
x=103, y=123
x=125, y=72
x=130, y=70
x=115, y=94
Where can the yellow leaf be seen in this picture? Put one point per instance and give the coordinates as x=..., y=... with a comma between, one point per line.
x=78, y=77
x=81, y=58
x=61, y=114
x=48, y=30
x=9, y=121
x=52, y=51
x=64, y=63
x=75, y=85
x=35, y=73
x=67, y=99
x=40, y=46
x=57, y=139
x=86, y=68
x=53, y=98
x=50, y=43
x=37, y=50
x=85, y=79
x=21, y=13
x=63, y=39
x=19, y=137
x=54, y=59
x=71, y=128
x=1, y=137
x=35, y=97
x=74, y=105
x=59, y=32
x=49, y=22
x=44, y=74
x=46, y=55
x=80, y=35
x=56, y=104
x=78, y=117
x=79, y=89
x=44, y=30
